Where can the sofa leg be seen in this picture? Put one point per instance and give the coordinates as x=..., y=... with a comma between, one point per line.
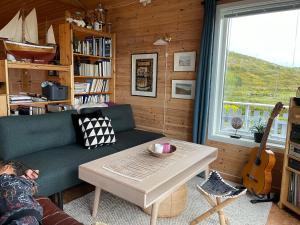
x=58, y=199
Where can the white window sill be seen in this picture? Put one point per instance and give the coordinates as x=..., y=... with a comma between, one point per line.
x=244, y=142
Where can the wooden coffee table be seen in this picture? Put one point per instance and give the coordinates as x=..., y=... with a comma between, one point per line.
x=143, y=179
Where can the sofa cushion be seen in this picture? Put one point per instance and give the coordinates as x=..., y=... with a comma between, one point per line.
x=59, y=166
x=97, y=131
x=75, y=120
x=131, y=138
x=91, y=107
x=121, y=117
x=22, y=135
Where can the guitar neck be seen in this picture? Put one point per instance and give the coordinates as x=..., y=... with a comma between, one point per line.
x=265, y=137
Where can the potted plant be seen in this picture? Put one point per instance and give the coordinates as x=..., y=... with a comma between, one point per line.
x=258, y=130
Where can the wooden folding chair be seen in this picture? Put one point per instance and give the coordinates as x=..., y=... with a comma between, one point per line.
x=214, y=189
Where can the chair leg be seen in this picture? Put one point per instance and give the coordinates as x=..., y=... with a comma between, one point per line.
x=207, y=197
x=221, y=213
x=227, y=220
x=212, y=211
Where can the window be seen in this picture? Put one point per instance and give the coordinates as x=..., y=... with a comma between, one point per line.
x=256, y=64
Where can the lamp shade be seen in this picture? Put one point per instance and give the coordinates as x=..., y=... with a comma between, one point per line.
x=160, y=41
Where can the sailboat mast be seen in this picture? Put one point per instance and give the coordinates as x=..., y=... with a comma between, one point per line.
x=23, y=26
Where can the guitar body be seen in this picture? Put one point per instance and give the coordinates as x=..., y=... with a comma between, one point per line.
x=258, y=178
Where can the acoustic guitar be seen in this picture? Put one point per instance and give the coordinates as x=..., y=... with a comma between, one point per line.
x=257, y=174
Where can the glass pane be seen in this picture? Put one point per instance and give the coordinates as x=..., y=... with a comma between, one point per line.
x=262, y=68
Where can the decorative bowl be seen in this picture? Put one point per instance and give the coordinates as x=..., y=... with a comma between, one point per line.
x=151, y=150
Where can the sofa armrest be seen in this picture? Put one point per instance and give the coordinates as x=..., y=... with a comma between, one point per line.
x=53, y=215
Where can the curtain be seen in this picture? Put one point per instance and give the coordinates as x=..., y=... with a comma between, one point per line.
x=202, y=91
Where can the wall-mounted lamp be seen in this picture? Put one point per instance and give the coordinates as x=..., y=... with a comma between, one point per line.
x=145, y=2
x=163, y=41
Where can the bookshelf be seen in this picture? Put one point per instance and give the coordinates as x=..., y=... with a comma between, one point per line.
x=91, y=55
x=6, y=70
x=35, y=66
x=290, y=188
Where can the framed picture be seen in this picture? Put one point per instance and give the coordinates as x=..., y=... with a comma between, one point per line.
x=144, y=74
x=184, y=61
x=184, y=89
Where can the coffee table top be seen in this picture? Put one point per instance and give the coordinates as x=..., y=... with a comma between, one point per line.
x=188, y=160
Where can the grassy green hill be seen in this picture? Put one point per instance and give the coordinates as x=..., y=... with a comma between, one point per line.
x=249, y=79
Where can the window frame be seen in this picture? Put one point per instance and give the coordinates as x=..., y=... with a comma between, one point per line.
x=220, y=58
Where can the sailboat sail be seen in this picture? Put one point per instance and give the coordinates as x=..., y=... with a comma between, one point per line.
x=19, y=31
x=13, y=30
x=31, y=27
x=50, y=39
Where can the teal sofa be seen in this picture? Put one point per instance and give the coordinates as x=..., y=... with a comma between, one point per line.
x=48, y=143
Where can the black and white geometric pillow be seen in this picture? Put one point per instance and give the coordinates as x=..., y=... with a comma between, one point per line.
x=96, y=131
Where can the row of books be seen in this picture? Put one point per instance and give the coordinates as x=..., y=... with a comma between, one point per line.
x=34, y=110
x=28, y=110
x=94, y=46
x=19, y=98
x=91, y=99
x=92, y=85
x=23, y=98
x=294, y=189
x=99, y=69
x=59, y=107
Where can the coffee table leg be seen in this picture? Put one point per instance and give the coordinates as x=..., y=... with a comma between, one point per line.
x=96, y=201
x=154, y=213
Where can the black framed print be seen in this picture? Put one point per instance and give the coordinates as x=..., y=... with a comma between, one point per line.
x=144, y=74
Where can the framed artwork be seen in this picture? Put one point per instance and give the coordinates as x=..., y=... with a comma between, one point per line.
x=184, y=61
x=184, y=89
x=144, y=74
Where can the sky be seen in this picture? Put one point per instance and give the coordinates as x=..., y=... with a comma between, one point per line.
x=274, y=37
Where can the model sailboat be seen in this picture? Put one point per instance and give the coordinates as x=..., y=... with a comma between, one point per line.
x=21, y=39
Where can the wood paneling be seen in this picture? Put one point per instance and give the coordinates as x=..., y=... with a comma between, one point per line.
x=232, y=158
x=48, y=12
x=137, y=27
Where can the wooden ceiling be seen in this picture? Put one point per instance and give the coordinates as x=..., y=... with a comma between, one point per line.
x=91, y=4
x=48, y=12
x=52, y=11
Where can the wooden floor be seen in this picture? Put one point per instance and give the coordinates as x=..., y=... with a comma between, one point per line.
x=282, y=217
x=276, y=216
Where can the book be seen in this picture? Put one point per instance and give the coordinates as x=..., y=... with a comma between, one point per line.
x=94, y=46
x=294, y=189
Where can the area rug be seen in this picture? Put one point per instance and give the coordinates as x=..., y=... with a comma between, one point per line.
x=115, y=211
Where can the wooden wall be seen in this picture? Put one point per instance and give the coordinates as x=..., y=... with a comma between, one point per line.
x=232, y=158
x=137, y=27
x=48, y=12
